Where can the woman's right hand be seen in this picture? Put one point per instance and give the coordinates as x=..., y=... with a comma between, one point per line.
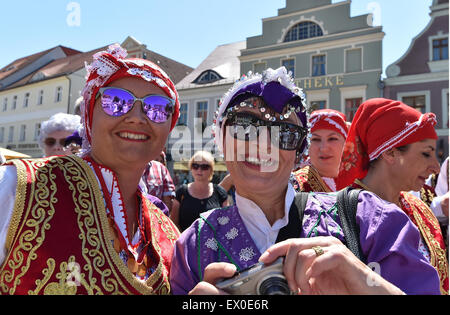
x=335, y=270
x=213, y=273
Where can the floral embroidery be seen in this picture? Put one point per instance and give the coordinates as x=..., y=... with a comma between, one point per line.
x=232, y=234
x=246, y=254
x=211, y=243
x=223, y=220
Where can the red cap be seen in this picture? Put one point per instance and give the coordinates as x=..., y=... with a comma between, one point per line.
x=379, y=125
x=329, y=119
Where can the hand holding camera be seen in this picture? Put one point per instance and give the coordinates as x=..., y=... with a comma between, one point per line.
x=259, y=279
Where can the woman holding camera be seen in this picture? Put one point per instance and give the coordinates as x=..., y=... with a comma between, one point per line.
x=260, y=129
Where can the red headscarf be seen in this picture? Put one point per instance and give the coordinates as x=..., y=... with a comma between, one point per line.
x=380, y=125
x=112, y=65
x=329, y=119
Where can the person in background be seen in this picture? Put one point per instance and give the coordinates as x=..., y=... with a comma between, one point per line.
x=158, y=182
x=328, y=133
x=54, y=132
x=227, y=184
x=391, y=150
x=80, y=225
x=200, y=195
x=263, y=226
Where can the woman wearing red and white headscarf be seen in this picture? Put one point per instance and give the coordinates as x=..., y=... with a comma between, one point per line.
x=328, y=133
x=82, y=224
x=390, y=150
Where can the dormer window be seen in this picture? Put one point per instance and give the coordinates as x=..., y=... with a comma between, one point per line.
x=38, y=76
x=208, y=76
x=303, y=30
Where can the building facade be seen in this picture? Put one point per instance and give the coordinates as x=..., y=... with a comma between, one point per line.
x=34, y=88
x=420, y=77
x=200, y=93
x=335, y=58
x=31, y=91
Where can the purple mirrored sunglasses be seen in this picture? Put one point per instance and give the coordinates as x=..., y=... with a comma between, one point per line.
x=117, y=102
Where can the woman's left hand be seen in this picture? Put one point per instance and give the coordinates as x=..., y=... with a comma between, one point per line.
x=323, y=265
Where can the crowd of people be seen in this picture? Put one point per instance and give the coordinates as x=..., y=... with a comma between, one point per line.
x=102, y=197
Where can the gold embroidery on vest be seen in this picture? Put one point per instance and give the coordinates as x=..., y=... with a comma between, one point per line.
x=90, y=229
x=66, y=286
x=97, y=250
x=112, y=258
x=313, y=178
x=37, y=218
x=437, y=254
x=48, y=272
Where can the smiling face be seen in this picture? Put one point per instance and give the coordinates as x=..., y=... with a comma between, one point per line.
x=413, y=166
x=131, y=140
x=325, y=151
x=257, y=165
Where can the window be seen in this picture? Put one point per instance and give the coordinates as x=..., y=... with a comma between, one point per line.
x=14, y=103
x=259, y=67
x=23, y=131
x=440, y=49
x=351, y=106
x=26, y=100
x=2, y=134
x=303, y=30
x=5, y=104
x=289, y=64
x=37, y=131
x=202, y=113
x=353, y=60
x=318, y=65
x=58, y=96
x=417, y=101
x=208, y=76
x=11, y=134
x=183, y=114
x=316, y=105
x=40, y=97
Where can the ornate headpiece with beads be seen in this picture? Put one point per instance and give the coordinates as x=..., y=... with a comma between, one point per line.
x=275, y=87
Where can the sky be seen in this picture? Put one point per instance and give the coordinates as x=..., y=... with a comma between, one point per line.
x=184, y=30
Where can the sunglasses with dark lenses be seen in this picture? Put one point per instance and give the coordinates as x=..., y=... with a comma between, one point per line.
x=246, y=127
x=117, y=102
x=203, y=167
x=52, y=141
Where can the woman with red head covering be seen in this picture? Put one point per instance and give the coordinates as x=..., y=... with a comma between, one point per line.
x=328, y=132
x=82, y=225
x=390, y=150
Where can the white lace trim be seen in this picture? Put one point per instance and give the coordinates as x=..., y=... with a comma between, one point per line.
x=117, y=202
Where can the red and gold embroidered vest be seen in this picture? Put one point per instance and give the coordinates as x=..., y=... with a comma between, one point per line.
x=425, y=220
x=60, y=242
x=308, y=179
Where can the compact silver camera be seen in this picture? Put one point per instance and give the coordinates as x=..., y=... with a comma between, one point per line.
x=259, y=279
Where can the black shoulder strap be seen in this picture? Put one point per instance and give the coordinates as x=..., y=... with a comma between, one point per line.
x=347, y=202
x=295, y=224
